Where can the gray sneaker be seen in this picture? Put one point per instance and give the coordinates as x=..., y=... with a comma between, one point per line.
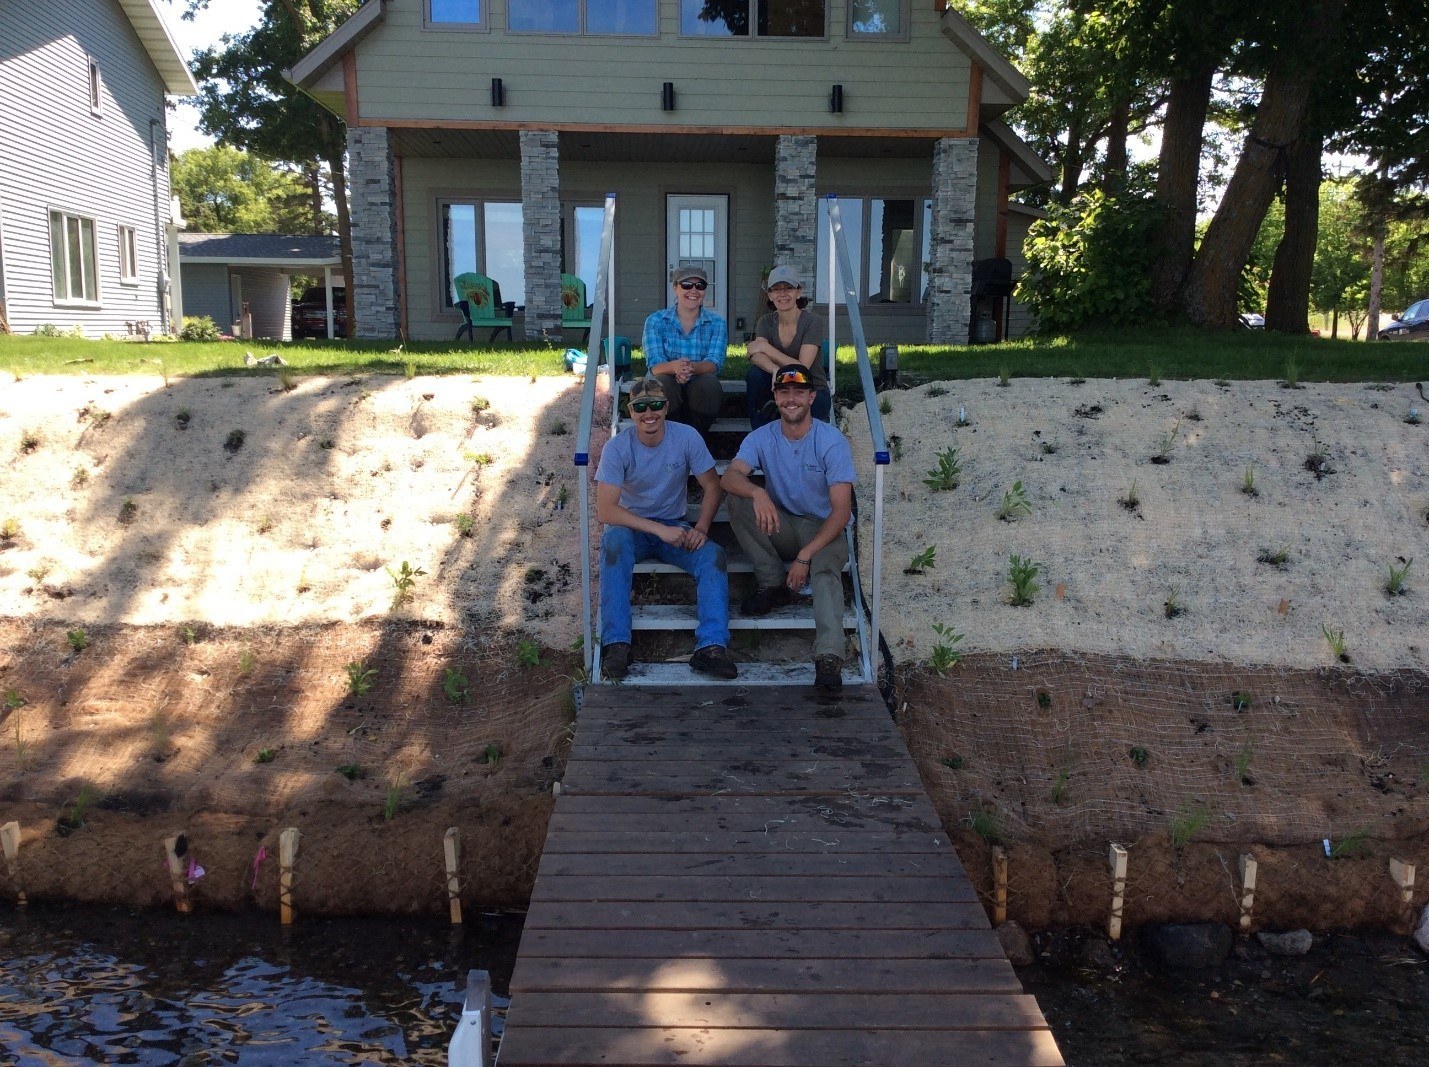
x=714, y=660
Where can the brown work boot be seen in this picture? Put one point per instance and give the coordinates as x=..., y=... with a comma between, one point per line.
x=828, y=674
x=714, y=660
x=615, y=660
x=765, y=601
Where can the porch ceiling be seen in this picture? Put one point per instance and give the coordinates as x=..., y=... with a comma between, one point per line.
x=620, y=147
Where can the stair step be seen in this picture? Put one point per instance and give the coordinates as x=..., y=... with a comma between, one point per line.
x=735, y=559
x=757, y=673
x=730, y=426
x=728, y=385
x=799, y=616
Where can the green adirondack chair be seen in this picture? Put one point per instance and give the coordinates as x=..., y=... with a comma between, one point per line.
x=575, y=312
x=479, y=301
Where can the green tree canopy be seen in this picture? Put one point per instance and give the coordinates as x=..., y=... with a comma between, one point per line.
x=225, y=190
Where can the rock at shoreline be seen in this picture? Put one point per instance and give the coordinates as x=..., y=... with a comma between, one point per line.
x=1290, y=943
x=1189, y=944
x=1099, y=954
x=1016, y=944
x=1421, y=935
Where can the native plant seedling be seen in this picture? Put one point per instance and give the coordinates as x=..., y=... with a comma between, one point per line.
x=1044, y=699
x=885, y=406
x=234, y=441
x=1247, y=483
x=1049, y=448
x=1168, y=440
x=246, y=662
x=22, y=747
x=1292, y=376
x=1139, y=756
x=395, y=800
x=14, y=700
x=563, y=496
x=80, y=478
x=1022, y=574
x=1014, y=503
x=38, y=573
x=1336, y=640
x=936, y=390
x=1396, y=585
x=1153, y=375
x=360, y=677
x=1222, y=383
x=1318, y=461
x=1350, y=845
x=73, y=818
x=403, y=579
x=1242, y=764
x=944, y=477
x=266, y=755
x=1192, y=415
x=9, y=530
x=1059, y=784
x=1277, y=558
x=409, y=368
x=895, y=444
x=1172, y=606
x=352, y=771
x=1077, y=379
x=479, y=404
x=480, y=459
x=265, y=525
x=923, y=561
x=287, y=380
x=953, y=762
x=78, y=639
x=1131, y=501
x=559, y=428
x=984, y=824
x=464, y=524
x=527, y=653
x=1187, y=823
x=491, y=754
x=1004, y=376
x=455, y=685
x=182, y=418
x=189, y=634
x=29, y=442
x=128, y=511
x=1240, y=701
x=945, y=653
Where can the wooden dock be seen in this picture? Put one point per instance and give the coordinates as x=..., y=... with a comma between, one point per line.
x=755, y=877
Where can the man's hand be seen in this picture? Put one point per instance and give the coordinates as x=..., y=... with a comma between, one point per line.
x=695, y=539
x=674, y=536
x=766, y=515
x=798, y=576
x=684, y=371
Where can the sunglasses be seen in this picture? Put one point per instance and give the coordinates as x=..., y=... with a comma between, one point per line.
x=642, y=406
x=782, y=288
x=694, y=283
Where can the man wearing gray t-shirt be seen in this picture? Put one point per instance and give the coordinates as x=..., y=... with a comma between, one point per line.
x=640, y=495
x=799, y=515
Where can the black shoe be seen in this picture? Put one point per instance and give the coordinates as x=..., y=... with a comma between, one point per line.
x=766, y=600
x=828, y=674
x=714, y=660
x=615, y=660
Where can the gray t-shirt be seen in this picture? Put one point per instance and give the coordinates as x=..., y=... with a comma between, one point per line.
x=652, y=479
x=798, y=474
x=808, y=331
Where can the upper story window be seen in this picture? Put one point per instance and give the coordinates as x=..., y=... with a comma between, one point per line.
x=456, y=13
x=73, y=259
x=758, y=18
x=887, y=19
x=634, y=18
x=96, y=89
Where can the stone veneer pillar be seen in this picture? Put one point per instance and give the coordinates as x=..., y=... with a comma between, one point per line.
x=541, y=233
x=950, y=250
x=371, y=185
x=796, y=208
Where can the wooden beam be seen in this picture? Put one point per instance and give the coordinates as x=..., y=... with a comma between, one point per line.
x=177, y=878
x=1403, y=875
x=287, y=856
x=1248, y=867
x=349, y=90
x=10, y=839
x=932, y=134
x=974, y=100
x=999, y=885
x=1118, y=892
x=451, y=844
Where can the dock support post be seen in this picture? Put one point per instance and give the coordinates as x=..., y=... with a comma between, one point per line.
x=287, y=855
x=999, y=885
x=451, y=843
x=471, y=1043
x=1248, y=868
x=10, y=838
x=1118, y=891
x=1403, y=875
x=177, y=877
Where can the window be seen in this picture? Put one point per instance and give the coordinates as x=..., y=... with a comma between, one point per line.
x=767, y=18
x=72, y=259
x=455, y=13
x=96, y=94
x=484, y=236
x=128, y=256
x=877, y=18
x=583, y=252
x=890, y=236
x=597, y=17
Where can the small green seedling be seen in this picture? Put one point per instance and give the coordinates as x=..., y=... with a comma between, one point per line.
x=409, y=368
x=403, y=579
x=1131, y=501
x=1172, y=606
x=491, y=754
x=38, y=573
x=14, y=700
x=1247, y=483
x=559, y=428
x=1059, y=784
x=80, y=478
x=455, y=685
x=1241, y=701
x=935, y=391
x=234, y=441
x=885, y=406
x=1139, y=756
x=1153, y=375
x=895, y=443
x=945, y=653
x=73, y=818
x=1049, y=448
x=1276, y=558
x=1014, y=503
x=924, y=561
x=1396, y=585
x=480, y=459
x=78, y=639
x=9, y=530
x=527, y=653
x=1336, y=640
x=360, y=677
x=1044, y=699
x=1349, y=846
x=1413, y=418
x=1292, y=375
x=266, y=755
x=128, y=511
x=1242, y=764
x=1004, y=376
x=1187, y=823
x=246, y=662
x=563, y=496
x=944, y=477
x=182, y=418
x=953, y=762
x=189, y=634
x=1022, y=574
x=1168, y=441
x=287, y=380
x=29, y=442
x=464, y=524
x=984, y=824
x=479, y=404
x=395, y=799
x=352, y=771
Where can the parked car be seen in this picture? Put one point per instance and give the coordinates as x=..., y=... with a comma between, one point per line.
x=310, y=313
x=1413, y=325
x=1252, y=320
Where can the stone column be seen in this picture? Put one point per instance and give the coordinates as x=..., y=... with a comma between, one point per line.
x=950, y=268
x=796, y=208
x=371, y=186
x=541, y=233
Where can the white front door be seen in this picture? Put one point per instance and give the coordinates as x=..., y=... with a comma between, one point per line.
x=697, y=235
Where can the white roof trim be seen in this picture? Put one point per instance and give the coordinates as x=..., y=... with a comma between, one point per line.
x=980, y=50
x=1003, y=135
x=158, y=40
x=260, y=261
x=1016, y=207
x=327, y=54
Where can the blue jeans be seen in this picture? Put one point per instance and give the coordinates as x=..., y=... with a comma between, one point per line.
x=621, y=548
x=759, y=390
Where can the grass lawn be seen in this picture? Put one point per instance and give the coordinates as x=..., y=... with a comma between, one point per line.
x=1162, y=352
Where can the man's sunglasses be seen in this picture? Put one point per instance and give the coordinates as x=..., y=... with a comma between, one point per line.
x=642, y=406
x=694, y=283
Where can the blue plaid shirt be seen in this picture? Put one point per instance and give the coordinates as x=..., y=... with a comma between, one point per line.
x=665, y=339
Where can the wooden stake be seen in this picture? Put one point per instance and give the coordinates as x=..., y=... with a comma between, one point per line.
x=999, y=885
x=1401, y=872
x=287, y=855
x=10, y=838
x=177, y=877
x=1118, y=892
x=451, y=843
x=1248, y=867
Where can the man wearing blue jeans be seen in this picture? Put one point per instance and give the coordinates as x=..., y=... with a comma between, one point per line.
x=640, y=495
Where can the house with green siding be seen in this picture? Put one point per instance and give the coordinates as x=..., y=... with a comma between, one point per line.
x=483, y=136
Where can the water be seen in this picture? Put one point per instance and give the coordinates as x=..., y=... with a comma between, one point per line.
x=111, y=986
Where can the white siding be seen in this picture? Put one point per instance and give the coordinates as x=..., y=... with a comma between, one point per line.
x=55, y=153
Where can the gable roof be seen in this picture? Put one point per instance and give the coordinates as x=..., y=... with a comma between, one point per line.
x=158, y=41
x=327, y=54
x=301, y=250
x=980, y=50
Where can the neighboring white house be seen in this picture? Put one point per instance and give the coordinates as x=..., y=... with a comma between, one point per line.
x=86, y=220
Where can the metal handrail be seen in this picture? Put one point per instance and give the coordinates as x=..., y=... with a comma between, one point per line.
x=838, y=255
x=603, y=309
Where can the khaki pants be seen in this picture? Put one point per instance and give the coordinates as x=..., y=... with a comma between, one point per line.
x=768, y=554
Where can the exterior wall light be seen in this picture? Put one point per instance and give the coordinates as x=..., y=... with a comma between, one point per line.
x=667, y=96
x=498, y=93
x=836, y=100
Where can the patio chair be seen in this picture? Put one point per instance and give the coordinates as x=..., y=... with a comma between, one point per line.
x=575, y=312
x=479, y=301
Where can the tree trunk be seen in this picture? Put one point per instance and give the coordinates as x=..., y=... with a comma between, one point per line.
x=1114, y=174
x=1376, y=284
x=335, y=149
x=1334, y=323
x=1071, y=161
x=1209, y=296
x=1287, y=307
x=313, y=172
x=1177, y=180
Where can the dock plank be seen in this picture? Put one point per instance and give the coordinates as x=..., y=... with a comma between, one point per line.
x=753, y=915
x=764, y=944
x=715, y=865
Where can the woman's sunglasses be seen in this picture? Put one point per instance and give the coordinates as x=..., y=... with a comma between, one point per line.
x=694, y=283
x=642, y=406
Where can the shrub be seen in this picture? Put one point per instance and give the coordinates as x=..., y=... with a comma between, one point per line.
x=199, y=328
